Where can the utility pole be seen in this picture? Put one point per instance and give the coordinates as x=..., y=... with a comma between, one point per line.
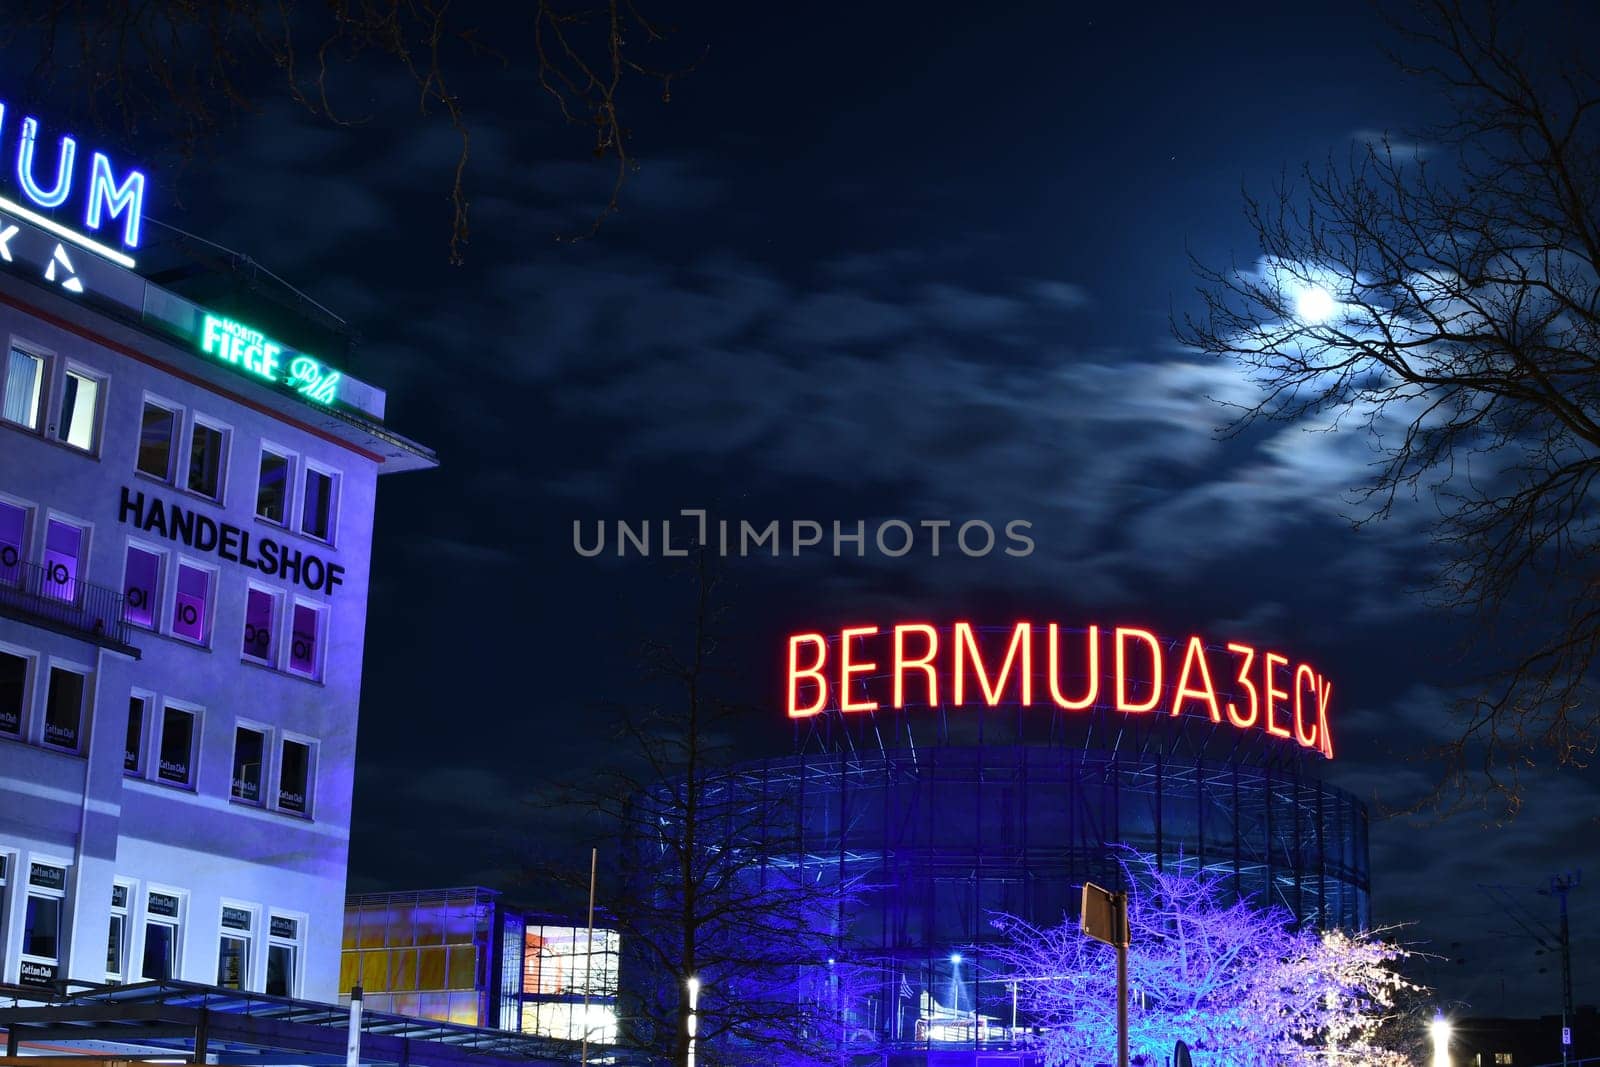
x=1560, y=886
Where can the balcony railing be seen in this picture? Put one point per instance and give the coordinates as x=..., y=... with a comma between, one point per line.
x=51, y=594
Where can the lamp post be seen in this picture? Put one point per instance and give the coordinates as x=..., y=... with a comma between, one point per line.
x=693, y=1022
x=1439, y=1029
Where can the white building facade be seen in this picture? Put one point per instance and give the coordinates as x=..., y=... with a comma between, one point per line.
x=186, y=509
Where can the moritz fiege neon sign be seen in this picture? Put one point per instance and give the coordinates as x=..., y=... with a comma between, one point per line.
x=864, y=668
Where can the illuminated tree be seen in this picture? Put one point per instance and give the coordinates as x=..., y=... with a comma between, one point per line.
x=180, y=70
x=1443, y=299
x=711, y=881
x=1234, y=981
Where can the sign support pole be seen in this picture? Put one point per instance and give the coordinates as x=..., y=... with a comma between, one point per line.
x=1120, y=904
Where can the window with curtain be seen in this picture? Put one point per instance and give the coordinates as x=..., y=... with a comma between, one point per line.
x=24, y=389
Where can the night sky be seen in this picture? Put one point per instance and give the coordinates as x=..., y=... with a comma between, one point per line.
x=876, y=263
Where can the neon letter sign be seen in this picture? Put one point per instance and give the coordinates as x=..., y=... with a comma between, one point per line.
x=107, y=195
x=1140, y=661
x=257, y=354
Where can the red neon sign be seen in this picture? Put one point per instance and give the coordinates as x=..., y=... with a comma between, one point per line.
x=863, y=668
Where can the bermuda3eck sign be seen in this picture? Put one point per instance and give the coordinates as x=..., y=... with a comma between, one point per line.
x=864, y=668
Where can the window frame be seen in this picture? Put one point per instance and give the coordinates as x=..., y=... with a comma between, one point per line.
x=292, y=463
x=247, y=935
x=85, y=530
x=319, y=650
x=265, y=779
x=125, y=938
x=309, y=793
x=295, y=945
x=30, y=683
x=197, y=719
x=97, y=418
x=176, y=923
x=174, y=438
x=28, y=892
x=192, y=424
x=335, y=476
x=158, y=588
x=41, y=405
x=85, y=674
x=208, y=623
x=275, y=627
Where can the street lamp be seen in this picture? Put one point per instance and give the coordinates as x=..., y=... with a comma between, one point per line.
x=694, y=1016
x=1440, y=1030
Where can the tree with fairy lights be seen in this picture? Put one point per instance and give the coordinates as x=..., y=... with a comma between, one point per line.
x=1237, y=982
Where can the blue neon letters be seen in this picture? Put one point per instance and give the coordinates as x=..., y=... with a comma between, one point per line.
x=107, y=195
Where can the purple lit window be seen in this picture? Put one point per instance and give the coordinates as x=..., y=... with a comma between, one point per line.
x=13, y=529
x=63, y=548
x=189, y=611
x=305, y=639
x=258, y=626
x=141, y=587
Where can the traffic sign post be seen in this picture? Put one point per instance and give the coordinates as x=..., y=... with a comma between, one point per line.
x=1104, y=917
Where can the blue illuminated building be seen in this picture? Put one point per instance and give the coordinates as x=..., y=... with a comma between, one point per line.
x=945, y=817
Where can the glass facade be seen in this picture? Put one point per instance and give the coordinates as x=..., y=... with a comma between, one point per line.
x=462, y=956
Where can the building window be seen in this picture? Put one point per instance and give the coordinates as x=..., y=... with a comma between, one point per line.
x=177, y=746
x=13, y=692
x=233, y=953
x=163, y=921
x=13, y=539
x=63, y=559
x=24, y=389
x=1502, y=1057
x=272, y=487
x=117, y=934
x=190, y=608
x=283, y=957
x=80, y=411
x=305, y=643
x=321, y=499
x=207, y=455
x=63, y=710
x=249, y=750
x=141, y=586
x=41, y=924
x=259, y=608
x=294, y=777
x=157, y=427
x=133, y=747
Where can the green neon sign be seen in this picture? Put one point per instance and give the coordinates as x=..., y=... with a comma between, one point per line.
x=256, y=354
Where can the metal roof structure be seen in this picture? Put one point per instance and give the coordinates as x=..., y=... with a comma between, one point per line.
x=191, y=1021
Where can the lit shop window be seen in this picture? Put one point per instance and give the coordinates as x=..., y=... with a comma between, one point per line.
x=63, y=709
x=13, y=541
x=272, y=487
x=157, y=427
x=294, y=777
x=321, y=499
x=41, y=924
x=141, y=587
x=133, y=747
x=305, y=640
x=162, y=925
x=233, y=951
x=117, y=934
x=249, y=750
x=208, y=447
x=283, y=957
x=177, y=746
x=63, y=559
x=260, y=608
x=79, y=422
x=13, y=692
x=24, y=389
x=191, y=607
